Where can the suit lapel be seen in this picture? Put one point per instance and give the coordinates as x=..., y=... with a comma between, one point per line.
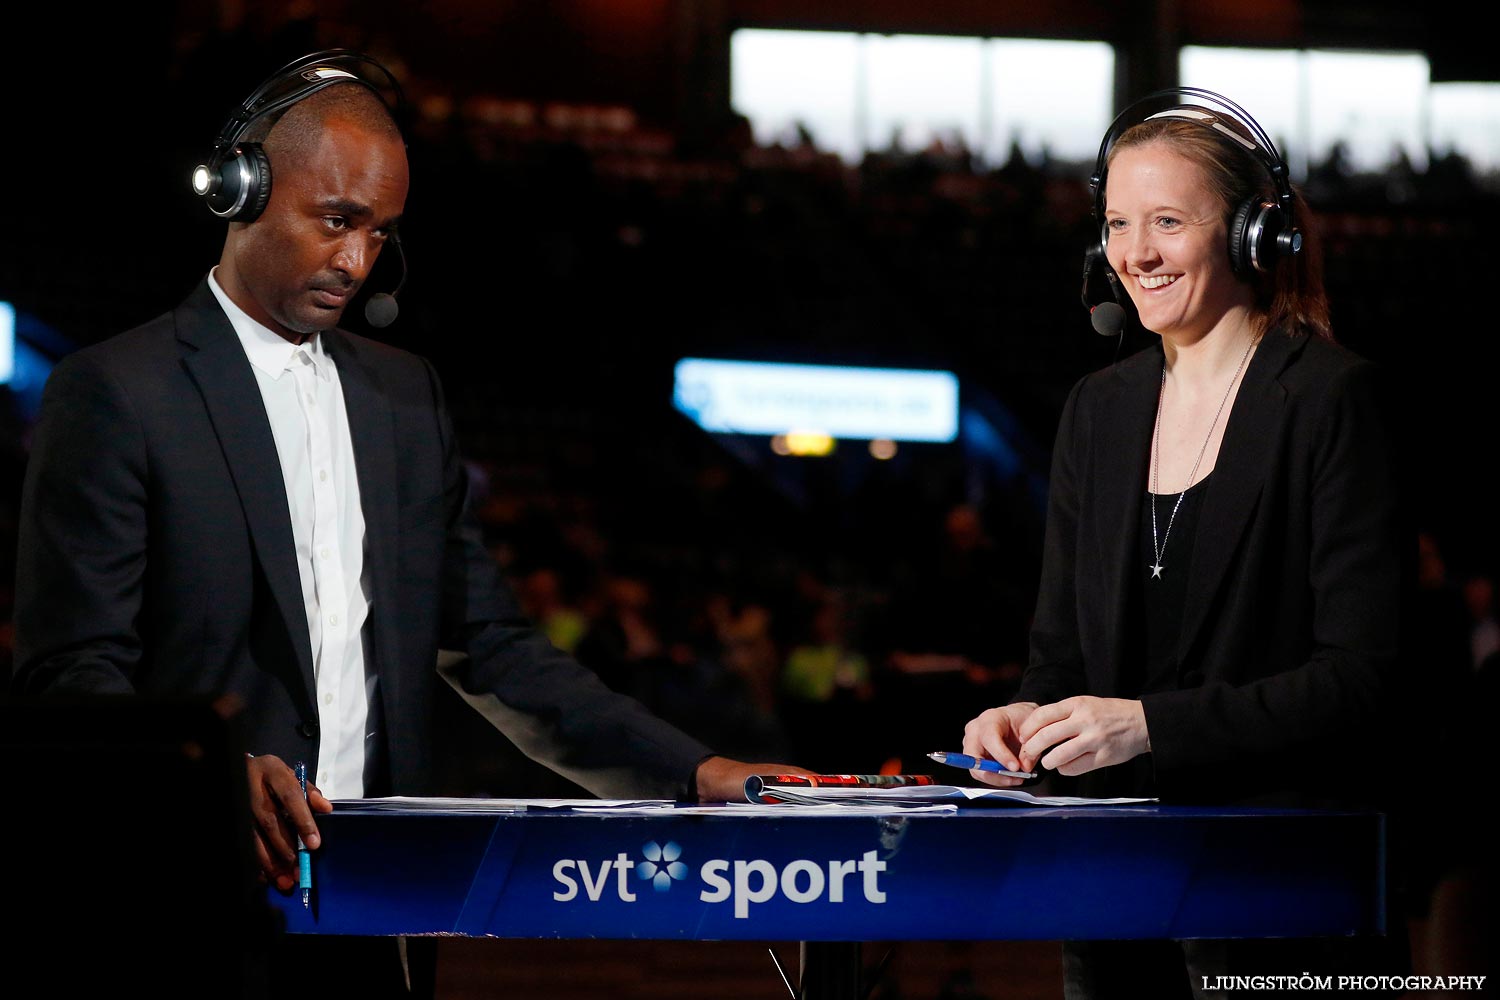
x=217, y=364
x=373, y=431
x=1250, y=440
x=1123, y=442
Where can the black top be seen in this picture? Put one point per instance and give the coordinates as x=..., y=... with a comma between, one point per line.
x=1164, y=594
x=1291, y=619
x=1156, y=610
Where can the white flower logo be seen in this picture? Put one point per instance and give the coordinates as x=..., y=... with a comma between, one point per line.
x=661, y=865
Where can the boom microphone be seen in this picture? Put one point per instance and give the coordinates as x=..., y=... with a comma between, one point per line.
x=381, y=310
x=1108, y=319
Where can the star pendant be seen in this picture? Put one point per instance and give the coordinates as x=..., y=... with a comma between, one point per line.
x=1156, y=572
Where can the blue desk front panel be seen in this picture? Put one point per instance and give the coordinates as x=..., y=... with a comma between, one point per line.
x=983, y=874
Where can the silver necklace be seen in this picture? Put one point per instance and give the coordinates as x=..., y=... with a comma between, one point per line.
x=1161, y=546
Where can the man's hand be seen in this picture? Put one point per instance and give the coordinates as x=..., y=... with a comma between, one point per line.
x=281, y=814
x=1077, y=735
x=723, y=780
x=994, y=733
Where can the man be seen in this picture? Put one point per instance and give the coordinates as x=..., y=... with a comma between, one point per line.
x=238, y=498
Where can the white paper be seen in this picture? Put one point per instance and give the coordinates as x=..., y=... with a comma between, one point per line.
x=410, y=803
x=914, y=794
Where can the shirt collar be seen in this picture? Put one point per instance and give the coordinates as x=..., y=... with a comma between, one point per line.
x=266, y=350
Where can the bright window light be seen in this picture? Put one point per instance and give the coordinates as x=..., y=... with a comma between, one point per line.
x=855, y=93
x=783, y=79
x=922, y=90
x=1050, y=97
x=1371, y=103
x=1466, y=120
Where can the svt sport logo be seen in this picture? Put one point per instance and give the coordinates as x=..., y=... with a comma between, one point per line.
x=754, y=881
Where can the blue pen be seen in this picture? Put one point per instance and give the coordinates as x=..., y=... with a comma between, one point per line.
x=968, y=763
x=304, y=859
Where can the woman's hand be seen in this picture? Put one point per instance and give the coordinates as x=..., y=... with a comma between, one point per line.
x=994, y=733
x=1077, y=735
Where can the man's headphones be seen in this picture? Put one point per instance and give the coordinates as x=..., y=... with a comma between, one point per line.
x=1260, y=232
x=235, y=182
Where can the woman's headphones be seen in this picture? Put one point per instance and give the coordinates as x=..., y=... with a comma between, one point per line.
x=1260, y=232
x=235, y=182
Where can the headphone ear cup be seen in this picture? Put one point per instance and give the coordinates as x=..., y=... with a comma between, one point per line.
x=1263, y=238
x=244, y=185
x=258, y=196
x=1239, y=227
x=1255, y=236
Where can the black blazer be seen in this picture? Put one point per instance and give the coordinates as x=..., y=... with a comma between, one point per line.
x=1290, y=629
x=156, y=557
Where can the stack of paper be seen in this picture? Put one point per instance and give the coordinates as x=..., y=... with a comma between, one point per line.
x=926, y=794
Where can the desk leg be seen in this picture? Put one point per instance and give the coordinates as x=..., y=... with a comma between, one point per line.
x=830, y=970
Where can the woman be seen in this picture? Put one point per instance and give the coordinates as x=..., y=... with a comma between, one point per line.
x=1217, y=614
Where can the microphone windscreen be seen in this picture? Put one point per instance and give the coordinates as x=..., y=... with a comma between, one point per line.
x=1108, y=319
x=381, y=310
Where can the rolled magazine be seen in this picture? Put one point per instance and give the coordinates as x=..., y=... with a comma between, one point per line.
x=766, y=787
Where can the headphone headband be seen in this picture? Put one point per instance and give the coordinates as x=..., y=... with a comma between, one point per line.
x=297, y=80
x=1239, y=125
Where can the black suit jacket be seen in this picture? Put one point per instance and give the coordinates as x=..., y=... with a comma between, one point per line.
x=1290, y=630
x=156, y=557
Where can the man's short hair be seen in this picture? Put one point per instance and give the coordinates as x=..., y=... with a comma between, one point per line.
x=294, y=132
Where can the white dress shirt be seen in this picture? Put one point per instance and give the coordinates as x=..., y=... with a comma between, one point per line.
x=305, y=404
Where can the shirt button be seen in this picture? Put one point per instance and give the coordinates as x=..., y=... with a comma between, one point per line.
x=308, y=729
x=333, y=619
x=309, y=399
x=323, y=779
x=328, y=698
x=323, y=552
x=323, y=475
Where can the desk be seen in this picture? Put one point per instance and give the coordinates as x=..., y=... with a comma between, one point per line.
x=988, y=873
